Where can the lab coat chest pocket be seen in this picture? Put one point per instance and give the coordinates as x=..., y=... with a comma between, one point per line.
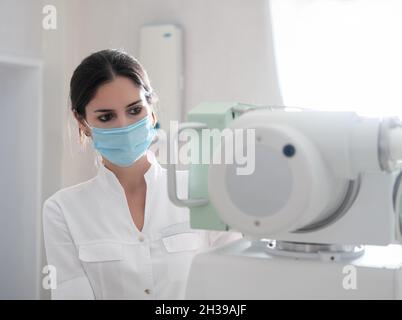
x=181, y=242
x=180, y=249
x=103, y=264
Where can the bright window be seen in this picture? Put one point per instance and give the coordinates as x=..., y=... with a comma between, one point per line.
x=340, y=54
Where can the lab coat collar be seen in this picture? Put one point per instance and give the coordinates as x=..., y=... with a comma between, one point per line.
x=109, y=180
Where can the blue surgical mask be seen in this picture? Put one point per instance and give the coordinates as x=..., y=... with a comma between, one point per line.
x=123, y=146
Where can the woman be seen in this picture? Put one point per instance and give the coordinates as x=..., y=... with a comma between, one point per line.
x=117, y=235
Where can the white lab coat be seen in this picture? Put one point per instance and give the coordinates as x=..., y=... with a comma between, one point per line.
x=98, y=252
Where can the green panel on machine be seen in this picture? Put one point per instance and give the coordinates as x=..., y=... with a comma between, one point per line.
x=216, y=116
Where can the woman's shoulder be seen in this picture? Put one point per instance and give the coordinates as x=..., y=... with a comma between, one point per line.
x=71, y=192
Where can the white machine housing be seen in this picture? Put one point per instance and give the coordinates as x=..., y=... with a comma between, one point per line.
x=338, y=185
x=245, y=270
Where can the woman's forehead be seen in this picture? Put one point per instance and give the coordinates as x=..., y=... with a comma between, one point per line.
x=116, y=94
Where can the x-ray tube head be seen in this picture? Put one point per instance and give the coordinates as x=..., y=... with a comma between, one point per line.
x=307, y=169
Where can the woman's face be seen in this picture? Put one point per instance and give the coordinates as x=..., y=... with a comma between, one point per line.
x=116, y=104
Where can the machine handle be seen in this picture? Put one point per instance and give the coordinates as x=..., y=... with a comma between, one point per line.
x=171, y=167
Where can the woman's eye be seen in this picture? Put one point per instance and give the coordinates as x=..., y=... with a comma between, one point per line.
x=135, y=110
x=105, y=117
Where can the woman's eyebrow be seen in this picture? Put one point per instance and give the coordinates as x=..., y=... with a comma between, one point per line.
x=129, y=105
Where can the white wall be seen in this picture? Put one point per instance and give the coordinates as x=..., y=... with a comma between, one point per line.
x=54, y=105
x=16, y=17
x=20, y=80
x=55, y=100
x=227, y=44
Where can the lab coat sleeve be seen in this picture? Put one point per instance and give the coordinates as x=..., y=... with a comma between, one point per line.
x=219, y=238
x=70, y=278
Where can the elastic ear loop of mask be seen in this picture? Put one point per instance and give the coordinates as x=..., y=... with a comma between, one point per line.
x=87, y=124
x=98, y=157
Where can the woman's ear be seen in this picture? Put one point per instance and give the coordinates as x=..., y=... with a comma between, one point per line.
x=81, y=124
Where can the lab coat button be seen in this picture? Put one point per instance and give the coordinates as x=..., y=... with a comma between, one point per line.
x=141, y=238
x=147, y=291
